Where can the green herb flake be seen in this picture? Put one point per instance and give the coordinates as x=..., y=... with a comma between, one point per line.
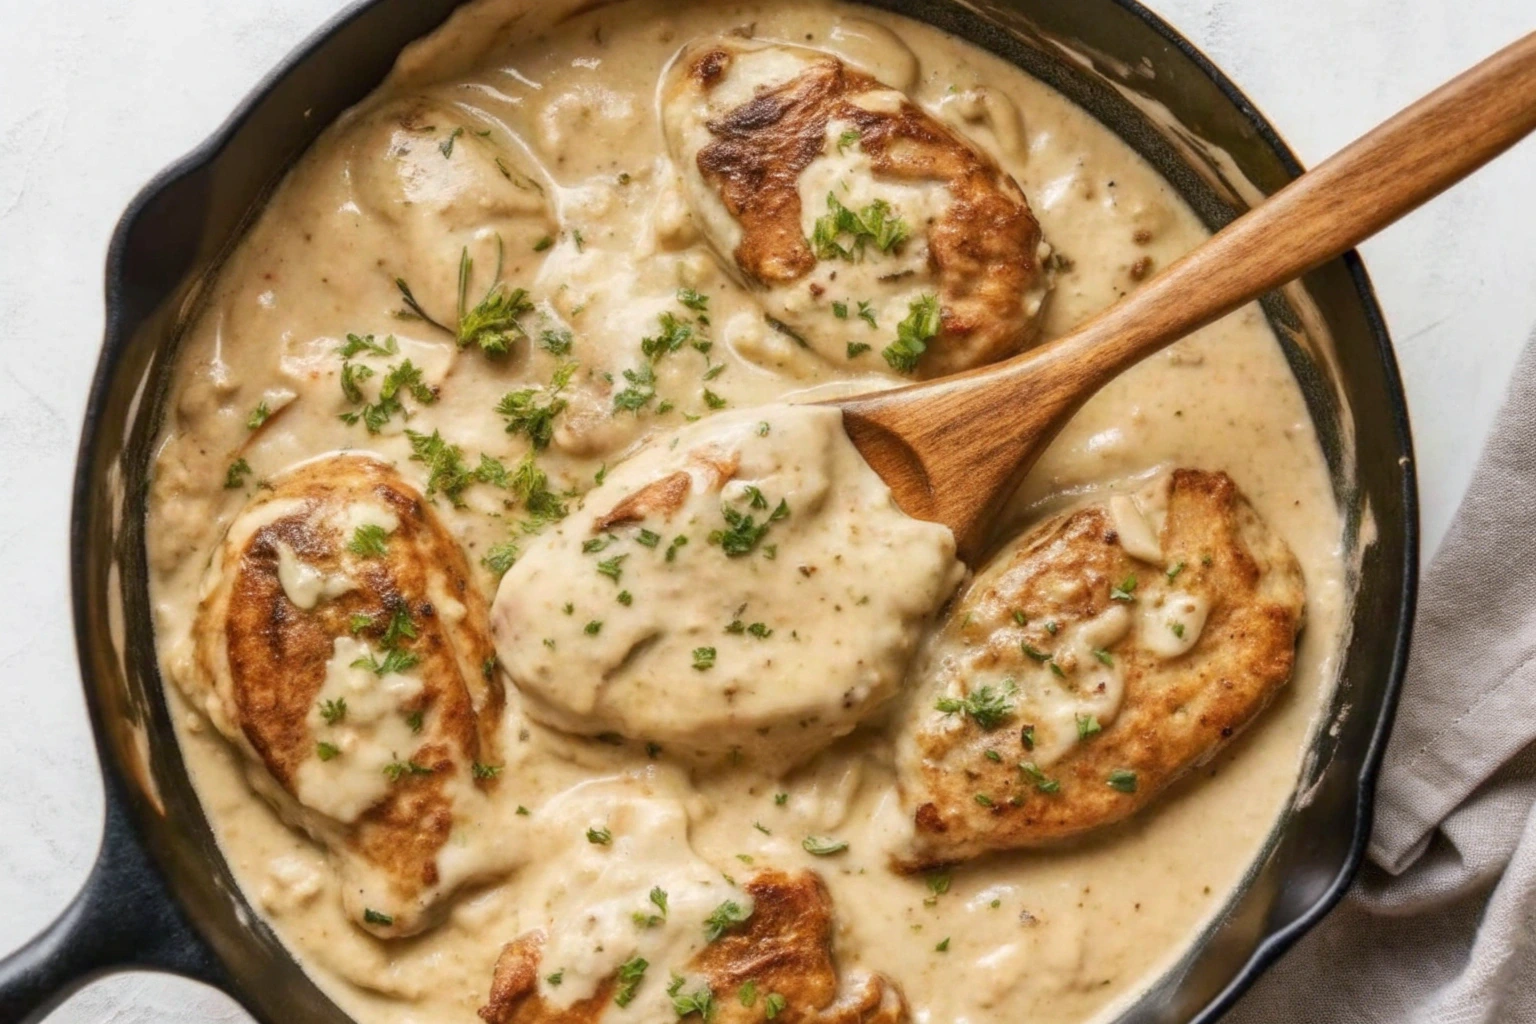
x=374, y=917
x=334, y=711
x=368, y=541
x=234, y=478
x=748, y=993
x=258, y=416
x=532, y=411
x=913, y=333
x=593, y=628
x=1122, y=779
x=773, y=1005
x=857, y=348
x=631, y=974
x=599, y=836
x=326, y=751
x=988, y=706
x=1174, y=570
x=722, y=919
x=823, y=846
x=703, y=658
x=1126, y=591
x=1042, y=782
x=1104, y=656
x=1088, y=725
x=943, y=946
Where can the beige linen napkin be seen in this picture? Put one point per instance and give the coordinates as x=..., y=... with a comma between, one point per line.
x=1440, y=927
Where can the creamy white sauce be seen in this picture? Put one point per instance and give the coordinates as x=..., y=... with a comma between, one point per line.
x=1053, y=937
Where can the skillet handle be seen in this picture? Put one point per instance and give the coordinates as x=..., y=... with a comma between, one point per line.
x=122, y=918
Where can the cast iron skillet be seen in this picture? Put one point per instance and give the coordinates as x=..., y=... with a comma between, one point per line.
x=160, y=895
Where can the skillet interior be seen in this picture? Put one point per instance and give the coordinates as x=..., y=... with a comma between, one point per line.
x=1109, y=56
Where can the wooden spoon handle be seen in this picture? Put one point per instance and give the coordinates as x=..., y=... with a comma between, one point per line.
x=954, y=449
x=1403, y=163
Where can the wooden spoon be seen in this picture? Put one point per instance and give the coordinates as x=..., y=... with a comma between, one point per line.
x=953, y=450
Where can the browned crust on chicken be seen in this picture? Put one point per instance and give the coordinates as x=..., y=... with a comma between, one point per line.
x=276, y=652
x=984, y=251
x=1175, y=714
x=663, y=497
x=785, y=947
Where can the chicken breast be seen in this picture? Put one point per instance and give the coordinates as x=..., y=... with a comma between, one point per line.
x=874, y=233
x=1091, y=663
x=776, y=963
x=343, y=650
x=746, y=587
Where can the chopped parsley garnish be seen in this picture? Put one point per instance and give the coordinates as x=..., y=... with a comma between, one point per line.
x=592, y=545
x=531, y=484
x=693, y=300
x=639, y=393
x=992, y=755
x=983, y=799
x=760, y=630
x=446, y=472
x=1034, y=652
x=1042, y=782
x=875, y=224
x=703, y=658
x=397, y=770
x=823, y=846
x=1104, y=656
x=1027, y=737
x=492, y=323
x=613, y=567
x=856, y=349
x=913, y=334
x=1126, y=591
x=365, y=343
x=414, y=720
x=593, y=628
x=1088, y=725
x=1177, y=628
x=867, y=314
x=556, y=342
x=744, y=533
x=1122, y=779
x=840, y=310
x=326, y=751
x=943, y=946
x=333, y=711
x=402, y=378
x=359, y=622
x=780, y=799
x=722, y=919
x=701, y=1002
x=675, y=333
x=368, y=541
x=938, y=885
x=713, y=400
x=658, y=897
x=764, y=829
x=599, y=836
x=235, y=477
x=989, y=706
x=748, y=993
x=556, y=978
x=395, y=661
x=258, y=416
x=579, y=239
x=631, y=973
x=485, y=771
x=501, y=557
x=625, y=598
x=1174, y=570
x=446, y=146
x=532, y=411
x=1051, y=627
x=677, y=542
x=647, y=538
x=773, y=1005
x=543, y=243
x=847, y=138
x=374, y=917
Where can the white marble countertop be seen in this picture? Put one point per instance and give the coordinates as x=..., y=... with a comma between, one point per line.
x=97, y=95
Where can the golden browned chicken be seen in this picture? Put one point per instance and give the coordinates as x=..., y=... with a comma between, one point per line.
x=776, y=964
x=346, y=653
x=873, y=232
x=1092, y=662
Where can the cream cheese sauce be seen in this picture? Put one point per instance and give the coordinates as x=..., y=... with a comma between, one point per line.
x=561, y=175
